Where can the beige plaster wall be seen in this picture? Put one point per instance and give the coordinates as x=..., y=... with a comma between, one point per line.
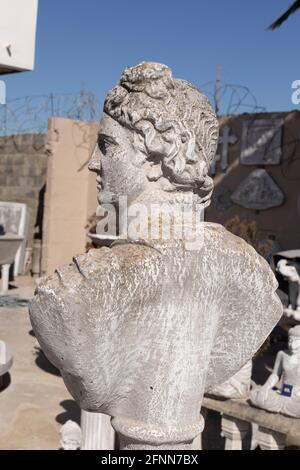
x=70, y=191
x=281, y=222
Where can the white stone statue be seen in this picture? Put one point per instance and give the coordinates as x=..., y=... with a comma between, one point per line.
x=70, y=436
x=142, y=329
x=289, y=271
x=285, y=400
x=238, y=386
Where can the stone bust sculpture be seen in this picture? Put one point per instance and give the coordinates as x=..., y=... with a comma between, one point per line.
x=140, y=330
x=286, y=400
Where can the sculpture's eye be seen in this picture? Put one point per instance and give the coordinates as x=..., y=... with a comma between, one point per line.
x=105, y=142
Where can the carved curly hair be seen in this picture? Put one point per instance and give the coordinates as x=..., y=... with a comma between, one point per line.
x=172, y=119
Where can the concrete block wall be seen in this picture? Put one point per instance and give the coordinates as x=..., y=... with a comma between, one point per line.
x=71, y=195
x=23, y=171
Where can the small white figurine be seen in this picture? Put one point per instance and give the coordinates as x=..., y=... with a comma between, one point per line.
x=70, y=436
x=289, y=271
x=286, y=400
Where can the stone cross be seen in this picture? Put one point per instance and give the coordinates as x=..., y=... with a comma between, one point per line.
x=225, y=140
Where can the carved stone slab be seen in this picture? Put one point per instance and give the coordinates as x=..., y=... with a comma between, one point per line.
x=261, y=142
x=258, y=191
x=225, y=140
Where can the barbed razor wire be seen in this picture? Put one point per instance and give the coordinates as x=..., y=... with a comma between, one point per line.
x=31, y=113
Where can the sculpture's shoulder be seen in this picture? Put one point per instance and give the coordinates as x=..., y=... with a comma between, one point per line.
x=243, y=256
x=220, y=237
x=248, y=307
x=102, y=268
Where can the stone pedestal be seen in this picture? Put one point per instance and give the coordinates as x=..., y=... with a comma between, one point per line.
x=96, y=432
x=234, y=430
x=270, y=440
x=4, y=278
x=135, y=435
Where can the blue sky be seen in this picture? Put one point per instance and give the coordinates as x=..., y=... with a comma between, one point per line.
x=90, y=42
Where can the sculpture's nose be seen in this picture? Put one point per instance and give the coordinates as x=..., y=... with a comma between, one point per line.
x=95, y=160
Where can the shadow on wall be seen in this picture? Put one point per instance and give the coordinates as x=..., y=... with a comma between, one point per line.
x=277, y=225
x=38, y=227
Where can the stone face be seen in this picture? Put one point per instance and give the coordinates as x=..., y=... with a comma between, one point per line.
x=258, y=191
x=261, y=142
x=140, y=330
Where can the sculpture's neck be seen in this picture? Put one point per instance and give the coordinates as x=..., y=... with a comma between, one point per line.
x=176, y=217
x=153, y=216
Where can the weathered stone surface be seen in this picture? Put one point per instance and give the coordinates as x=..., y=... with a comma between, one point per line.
x=142, y=329
x=261, y=142
x=191, y=323
x=258, y=191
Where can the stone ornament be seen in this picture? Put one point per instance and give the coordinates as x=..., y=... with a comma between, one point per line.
x=224, y=140
x=290, y=271
x=238, y=386
x=142, y=329
x=286, y=400
x=261, y=142
x=258, y=191
x=70, y=436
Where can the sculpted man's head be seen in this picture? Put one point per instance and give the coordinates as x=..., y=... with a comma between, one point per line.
x=157, y=136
